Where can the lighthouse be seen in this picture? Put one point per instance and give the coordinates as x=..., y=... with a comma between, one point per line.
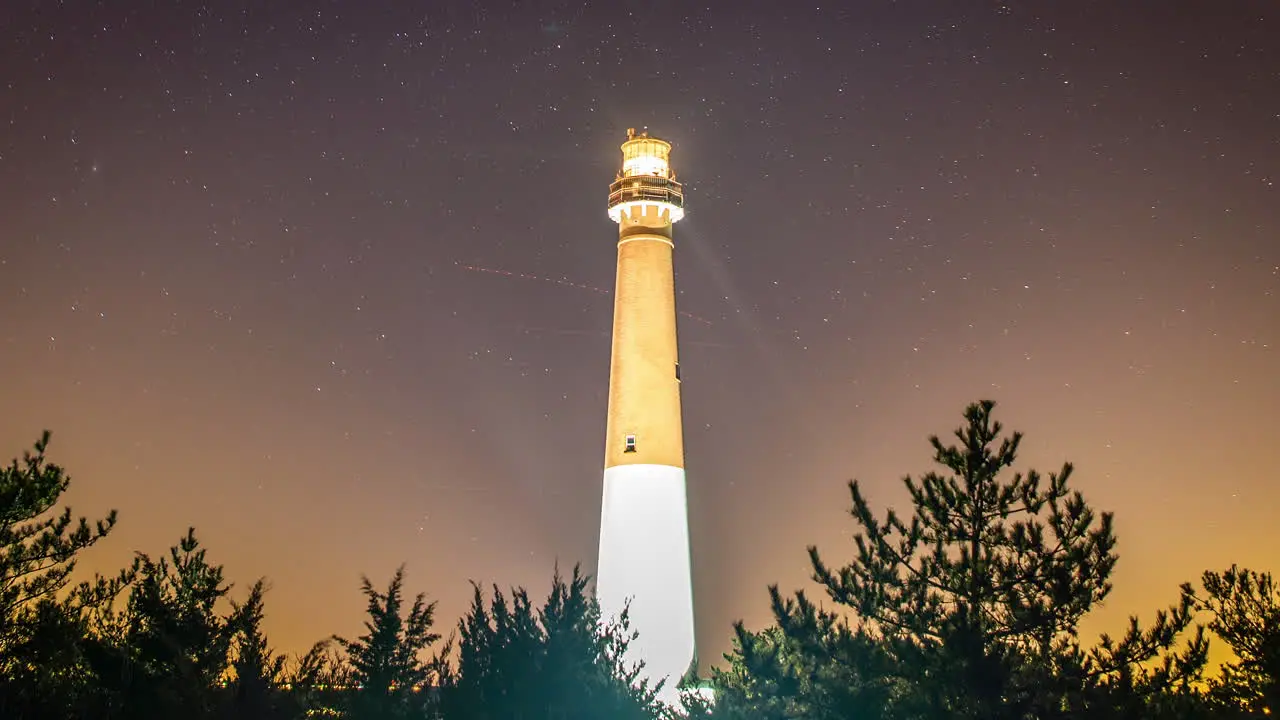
x=644, y=562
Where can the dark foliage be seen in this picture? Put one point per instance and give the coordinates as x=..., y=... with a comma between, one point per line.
x=319, y=682
x=44, y=652
x=390, y=678
x=967, y=608
x=174, y=646
x=555, y=662
x=1245, y=608
x=256, y=689
x=811, y=666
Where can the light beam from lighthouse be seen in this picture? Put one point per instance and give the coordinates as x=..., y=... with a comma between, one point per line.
x=644, y=528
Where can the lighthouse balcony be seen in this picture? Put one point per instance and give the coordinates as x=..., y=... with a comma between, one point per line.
x=626, y=193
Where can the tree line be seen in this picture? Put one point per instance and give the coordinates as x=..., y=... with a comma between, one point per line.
x=968, y=605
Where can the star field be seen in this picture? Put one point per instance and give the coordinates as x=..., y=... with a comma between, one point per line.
x=331, y=281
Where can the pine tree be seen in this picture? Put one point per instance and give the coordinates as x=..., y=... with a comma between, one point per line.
x=497, y=674
x=811, y=666
x=256, y=690
x=46, y=673
x=37, y=547
x=175, y=645
x=1245, y=607
x=554, y=662
x=45, y=645
x=582, y=653
x=976, y=597
x=393, y=681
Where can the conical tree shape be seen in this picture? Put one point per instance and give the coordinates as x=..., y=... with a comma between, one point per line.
x=968, y=607
x=256, y=691
x=386, y=663
x=175, y=645
x=556, y=662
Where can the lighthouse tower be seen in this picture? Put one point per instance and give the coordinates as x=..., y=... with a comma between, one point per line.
x=644, y=527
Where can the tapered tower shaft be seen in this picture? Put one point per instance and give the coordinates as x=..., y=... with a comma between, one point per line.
x=644, y=530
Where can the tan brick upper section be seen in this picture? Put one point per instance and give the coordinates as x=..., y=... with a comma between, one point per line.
x=644, y=391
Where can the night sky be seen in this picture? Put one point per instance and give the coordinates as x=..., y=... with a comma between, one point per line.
x=331, y=281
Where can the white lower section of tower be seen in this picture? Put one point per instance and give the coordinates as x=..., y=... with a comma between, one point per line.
x=644, y=560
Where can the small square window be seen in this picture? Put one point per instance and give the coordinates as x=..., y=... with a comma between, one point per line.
x=631, y=444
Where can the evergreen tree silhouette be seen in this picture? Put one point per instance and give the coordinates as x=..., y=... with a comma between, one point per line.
x=256, y=691
x=969, y=607
x=45, y=644
x=391, y=679
x=174, y=644
x=553, y=662
x=811, y=666
x=1245, y=607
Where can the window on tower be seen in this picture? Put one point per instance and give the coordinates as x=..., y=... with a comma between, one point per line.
x=631, y=444
x=677, y=372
